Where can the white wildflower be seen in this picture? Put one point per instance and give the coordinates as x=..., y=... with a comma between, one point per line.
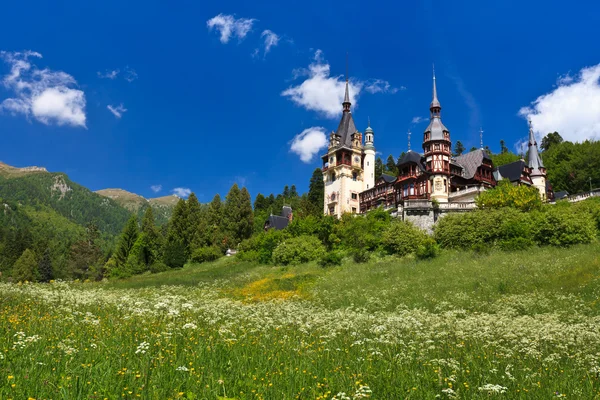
x=492, y=389
x=142, y=348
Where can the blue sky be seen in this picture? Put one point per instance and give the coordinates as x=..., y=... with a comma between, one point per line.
x=205, y=95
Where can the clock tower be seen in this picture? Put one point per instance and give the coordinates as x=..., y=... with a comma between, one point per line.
x=344, y=165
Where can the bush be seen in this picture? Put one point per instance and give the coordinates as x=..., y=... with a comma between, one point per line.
x=158, y=267
x=363, y=231
x=562, y=226
x=298, y=250
x=331, y=259
x=516, y=244
x=361, y=256
x=427, y=249
x=402, y=238
x=206, y=254
x=260, y=247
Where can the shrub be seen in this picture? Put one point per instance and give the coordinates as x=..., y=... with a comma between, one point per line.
x=260, y=247
x=298, y=250
x=561, y=226
x=402, y=238
x=206, y=254
x=505, y=194
x=427, y=249
x=516, y=244
x=363, y=231
x=331, y=259
x=158, y=267
x=361, y=256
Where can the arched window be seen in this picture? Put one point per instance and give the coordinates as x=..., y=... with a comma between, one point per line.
x=354, y=176
x=333, y=177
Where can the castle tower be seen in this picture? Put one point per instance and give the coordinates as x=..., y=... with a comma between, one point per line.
x=437, y=151
x=369, y=159
x=538, y=172
x=343, y=171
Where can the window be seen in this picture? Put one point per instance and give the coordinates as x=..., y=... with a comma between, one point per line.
x=368, y=184
x=367, y=163
x=332, y=210
x=354, y=196
x=445, y=186
x=353, y=210
x=354, y=176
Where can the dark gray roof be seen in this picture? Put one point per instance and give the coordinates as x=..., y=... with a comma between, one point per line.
x=388, y=178
x=560, y=195
x=471, y=161
x=512, y=171
x=276, y=222
x=411, y=157
x=435, y=102
x=436, y=129
x=345, y=129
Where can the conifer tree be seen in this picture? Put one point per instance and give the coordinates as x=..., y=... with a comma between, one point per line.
x=85, y=253
x=390, y=165
x=316, y=192
x=260, y=203
x=26, y=268
x=246, y=221
x=286, y=192
x=46, y=273
x=126, y=241
x=152, y=242
x=293, y=192
x=196, y=224
x=176, y=250
x=378, y=167
x=459, y=148
x=232, y=215
x=214, y=221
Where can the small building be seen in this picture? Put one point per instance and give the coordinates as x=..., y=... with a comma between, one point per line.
x=279, y=222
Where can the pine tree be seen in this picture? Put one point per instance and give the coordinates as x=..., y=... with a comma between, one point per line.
x=126, y=241
x=232, y=215
x=316, y=192
x=503, y=148
x=293, y=192
x=45, y=267
x=459, y=148
x=286, y=192
x=152, y=242
x=390, y=165
x=196, y=224
x=178, y=226
x=214, y=220
x=26, y=268
x=85, y=254
x=246, y=221
x=260, y=203
x=378, y=167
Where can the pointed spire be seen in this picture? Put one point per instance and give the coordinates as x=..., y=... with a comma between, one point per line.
x=408, y=139
x=481, y=137
x=533, y=157
x=434, y=102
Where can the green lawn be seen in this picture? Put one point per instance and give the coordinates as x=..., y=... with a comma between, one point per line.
x=463, y=325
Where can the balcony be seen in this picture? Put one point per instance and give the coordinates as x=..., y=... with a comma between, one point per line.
x=458, y=206
x=462, y=192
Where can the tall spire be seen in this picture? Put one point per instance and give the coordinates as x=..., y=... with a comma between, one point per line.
x=533, y=157
x=481, y=137
x=434, y=102
x=346, y=104
x=408, y=139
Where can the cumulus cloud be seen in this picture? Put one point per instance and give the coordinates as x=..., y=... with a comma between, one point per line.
x=182, y=192
x=571, y=109
x=50, y=97
x=271, y=39
x=156, y=188
x=308, y=143
x=117, y=111
x=418, y=120
x=229, y=26
x=108, y=74
x=323, y=93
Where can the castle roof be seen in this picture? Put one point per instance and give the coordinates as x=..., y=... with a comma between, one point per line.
x=533, y=156
x=435, y=128
x=412, y=157
x=346, y=128
x=512, y=171
x=471, y=161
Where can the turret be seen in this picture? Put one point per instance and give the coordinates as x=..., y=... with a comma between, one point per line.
x=534, y=161
x=369, y=159
x=437, y=150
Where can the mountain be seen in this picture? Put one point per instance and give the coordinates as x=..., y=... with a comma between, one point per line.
x=162, y=206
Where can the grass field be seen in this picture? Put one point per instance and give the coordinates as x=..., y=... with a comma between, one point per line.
x=464, y=325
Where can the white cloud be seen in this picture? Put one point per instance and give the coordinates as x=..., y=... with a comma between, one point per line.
x=418, y=120
x=321, y=92
x=182, y=192
x=48, y=96
x=308, y=143
x=229, y=26
x=156, y=188
x=271, y=39
x=117, y=111
x=380, y=86
x=129, y=74
x=108, y=74
x=324, y=94
x=571, y=109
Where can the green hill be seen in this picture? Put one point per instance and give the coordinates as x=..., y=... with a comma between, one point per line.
x=162, y=206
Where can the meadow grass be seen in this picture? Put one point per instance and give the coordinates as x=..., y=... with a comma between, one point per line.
x=463, y=325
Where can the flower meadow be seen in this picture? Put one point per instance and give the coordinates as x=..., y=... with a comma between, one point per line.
x=205, y=341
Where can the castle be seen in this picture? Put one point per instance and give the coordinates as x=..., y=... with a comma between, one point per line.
x=427, y=184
